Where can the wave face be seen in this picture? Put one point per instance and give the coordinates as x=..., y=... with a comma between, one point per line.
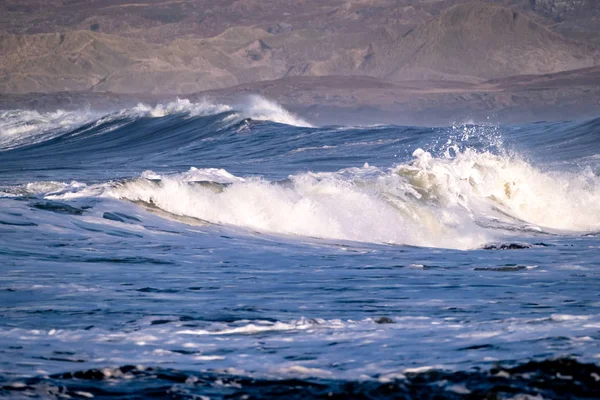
x=243, y=241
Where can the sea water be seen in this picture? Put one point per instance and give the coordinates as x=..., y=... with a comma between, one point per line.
x=200, y=250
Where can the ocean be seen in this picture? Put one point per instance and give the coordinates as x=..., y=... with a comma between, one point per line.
x=201, y=250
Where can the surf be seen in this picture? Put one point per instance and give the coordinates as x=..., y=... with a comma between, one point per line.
x=460, y=187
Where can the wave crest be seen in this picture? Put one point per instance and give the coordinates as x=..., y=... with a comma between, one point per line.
x=504, y=186
x=24, y=127
x=260, y=109
x=325, y=205
x=461, y=201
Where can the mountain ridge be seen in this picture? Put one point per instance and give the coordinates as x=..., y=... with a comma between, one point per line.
x=471, y=42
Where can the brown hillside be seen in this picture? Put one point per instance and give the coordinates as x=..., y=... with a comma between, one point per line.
x=484, y=41
x=470, y=42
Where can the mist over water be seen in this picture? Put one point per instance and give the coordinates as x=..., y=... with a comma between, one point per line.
x=200, y=248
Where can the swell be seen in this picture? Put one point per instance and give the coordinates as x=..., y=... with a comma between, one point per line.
x=176, y=131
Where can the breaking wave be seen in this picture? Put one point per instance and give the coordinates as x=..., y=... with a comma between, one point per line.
x=435, y=202
x=26, y=127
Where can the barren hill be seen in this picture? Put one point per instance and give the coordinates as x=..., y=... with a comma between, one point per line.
x=75, y=60
x=468, y=42
x=479, y=40
x=83, y=60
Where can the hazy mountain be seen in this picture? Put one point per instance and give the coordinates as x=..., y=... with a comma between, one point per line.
x=467, y=42
x=483, y=41
x=166, y=47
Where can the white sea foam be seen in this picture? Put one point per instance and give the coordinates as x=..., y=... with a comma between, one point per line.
x=48, y=189
x=266, y=326
x=196, y=175
x=240, y=342
x=348, y=205
x=489, y=184
x=436, y=202
x=299, y=370
x=568, y=317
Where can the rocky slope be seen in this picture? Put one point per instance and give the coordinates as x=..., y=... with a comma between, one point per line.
x=469, y=42
x=484, y=41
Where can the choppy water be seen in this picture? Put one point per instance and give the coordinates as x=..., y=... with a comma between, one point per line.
x=203, y=250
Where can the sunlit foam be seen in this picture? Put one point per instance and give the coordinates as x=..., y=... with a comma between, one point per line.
x=437, y=202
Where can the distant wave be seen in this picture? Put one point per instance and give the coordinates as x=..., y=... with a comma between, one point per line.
x=253, y=106
x=25, y=127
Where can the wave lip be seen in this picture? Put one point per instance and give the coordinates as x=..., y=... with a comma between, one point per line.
x=260, y=109
x=253, y=107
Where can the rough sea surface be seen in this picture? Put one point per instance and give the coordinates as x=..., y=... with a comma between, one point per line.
x=198, y=250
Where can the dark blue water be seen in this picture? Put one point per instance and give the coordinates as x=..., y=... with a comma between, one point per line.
x=196, y=250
